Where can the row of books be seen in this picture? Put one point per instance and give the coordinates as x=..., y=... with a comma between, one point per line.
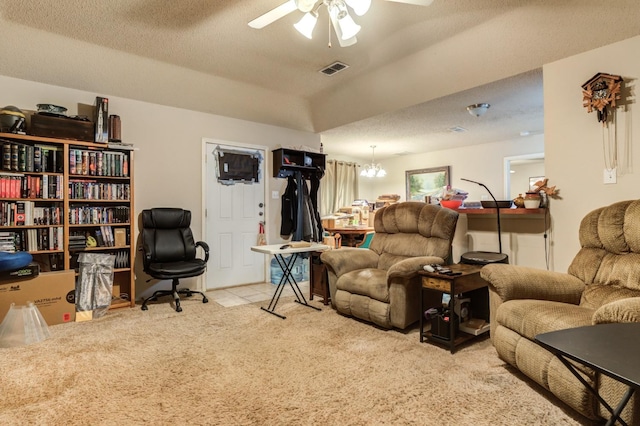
x=21, y=213
x=32, y=239
x=96, y=215
x=103, y=236
x=18, y=157
x=40, y=187
x=98, y=163
x=92, y=190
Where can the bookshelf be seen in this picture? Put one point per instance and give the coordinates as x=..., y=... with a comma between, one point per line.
x=59, y=198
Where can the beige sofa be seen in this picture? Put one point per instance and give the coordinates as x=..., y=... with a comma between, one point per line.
x=602, y=286
x=381, y=284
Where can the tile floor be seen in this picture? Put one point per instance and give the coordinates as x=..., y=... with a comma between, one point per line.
x=250, y=293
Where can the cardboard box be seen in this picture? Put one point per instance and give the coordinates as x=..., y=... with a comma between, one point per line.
x=54, y=294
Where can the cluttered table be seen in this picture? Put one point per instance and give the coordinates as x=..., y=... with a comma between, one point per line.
x=351, y=234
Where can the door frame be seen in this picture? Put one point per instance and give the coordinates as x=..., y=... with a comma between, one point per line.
x=203, y=204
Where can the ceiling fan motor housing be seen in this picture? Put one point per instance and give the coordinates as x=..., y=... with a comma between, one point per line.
x=305, y=6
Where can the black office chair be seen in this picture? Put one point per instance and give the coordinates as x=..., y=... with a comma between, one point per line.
x=170, y=251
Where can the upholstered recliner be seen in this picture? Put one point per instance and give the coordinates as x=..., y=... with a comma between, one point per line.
x=380, y=284
x=602, y=286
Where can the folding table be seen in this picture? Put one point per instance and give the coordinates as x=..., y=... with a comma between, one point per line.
x=278, y=252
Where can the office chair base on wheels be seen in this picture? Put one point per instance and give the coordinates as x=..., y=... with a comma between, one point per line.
x=175, y=292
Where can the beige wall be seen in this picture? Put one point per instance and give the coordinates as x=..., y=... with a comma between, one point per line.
x=573, y=141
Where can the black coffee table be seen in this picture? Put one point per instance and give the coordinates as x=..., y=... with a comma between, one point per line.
x=610, y=349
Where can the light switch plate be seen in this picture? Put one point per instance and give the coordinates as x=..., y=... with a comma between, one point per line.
x=609, y=176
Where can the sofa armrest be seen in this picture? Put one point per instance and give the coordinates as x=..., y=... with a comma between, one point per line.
x=623, y=310
x=521, y=282
x=408, y=268
x=349, y=259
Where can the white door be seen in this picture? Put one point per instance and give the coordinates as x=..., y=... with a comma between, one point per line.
x=232, y=219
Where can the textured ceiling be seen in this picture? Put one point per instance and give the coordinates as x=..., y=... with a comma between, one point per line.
x=411, y=74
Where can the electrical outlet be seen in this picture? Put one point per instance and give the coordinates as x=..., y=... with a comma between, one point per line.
x=275, y=195
x=609, y=176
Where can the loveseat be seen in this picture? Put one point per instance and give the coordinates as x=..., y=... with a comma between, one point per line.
x=602, y=285
x=380, y=284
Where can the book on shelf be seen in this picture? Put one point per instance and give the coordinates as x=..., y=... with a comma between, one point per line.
x=14, y=157
x=120, y=237
x=6, y=156
x=20, y=213
x=99, y=238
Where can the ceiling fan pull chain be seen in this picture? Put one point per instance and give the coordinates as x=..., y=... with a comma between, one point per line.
x=329, y=34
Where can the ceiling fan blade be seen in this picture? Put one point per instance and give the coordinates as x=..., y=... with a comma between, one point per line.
x=414, y=2
x=274, y=14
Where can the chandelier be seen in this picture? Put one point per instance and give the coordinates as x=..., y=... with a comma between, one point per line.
x=343, y=24
x=373, y=169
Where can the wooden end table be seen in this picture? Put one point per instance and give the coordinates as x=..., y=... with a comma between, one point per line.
x=467, y=281
x=318, y=281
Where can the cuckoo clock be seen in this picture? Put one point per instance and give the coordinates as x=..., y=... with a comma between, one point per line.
x=600, y=93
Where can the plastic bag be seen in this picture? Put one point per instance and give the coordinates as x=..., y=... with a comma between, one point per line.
x=94, y=287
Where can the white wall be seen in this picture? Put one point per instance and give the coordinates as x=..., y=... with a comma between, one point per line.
x=168, y=165
x=573, y=142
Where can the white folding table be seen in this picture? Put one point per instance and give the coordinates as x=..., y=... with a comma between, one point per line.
x=287, y=267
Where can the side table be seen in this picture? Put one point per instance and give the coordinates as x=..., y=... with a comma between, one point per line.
x=467, y=281
x=318, y=283
x=610, y=349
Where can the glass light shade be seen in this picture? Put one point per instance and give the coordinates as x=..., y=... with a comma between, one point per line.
x=360, y=7
x=372, y=170
x=333, y=15
x=348, y=28
x=306, y=25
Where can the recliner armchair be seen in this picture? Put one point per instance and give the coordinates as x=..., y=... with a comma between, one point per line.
x=602, y=285
x=170, y=251
x=381, y=284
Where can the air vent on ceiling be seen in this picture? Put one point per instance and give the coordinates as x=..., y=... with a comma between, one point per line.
x=457, y=129
x=334, y=68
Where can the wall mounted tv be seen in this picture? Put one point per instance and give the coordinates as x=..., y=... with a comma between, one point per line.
x=237, y=166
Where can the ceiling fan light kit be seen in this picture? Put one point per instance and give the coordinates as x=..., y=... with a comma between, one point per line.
x=343, y=24
x=306, y=25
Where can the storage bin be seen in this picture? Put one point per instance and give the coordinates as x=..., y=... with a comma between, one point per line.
x=300, y=269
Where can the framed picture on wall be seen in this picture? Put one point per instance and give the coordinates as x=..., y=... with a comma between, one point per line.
x=533, y=180
x=423, y=182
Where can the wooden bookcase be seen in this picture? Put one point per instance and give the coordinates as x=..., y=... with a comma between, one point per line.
x=63, y=202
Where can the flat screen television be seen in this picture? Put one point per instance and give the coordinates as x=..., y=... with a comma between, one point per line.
x=238, y=167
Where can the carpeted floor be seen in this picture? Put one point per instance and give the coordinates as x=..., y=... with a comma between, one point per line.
x=211, y=365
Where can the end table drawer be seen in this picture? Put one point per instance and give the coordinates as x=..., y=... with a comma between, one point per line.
x=436, y=284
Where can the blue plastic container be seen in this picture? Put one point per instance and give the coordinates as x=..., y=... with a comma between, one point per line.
x=300, y=270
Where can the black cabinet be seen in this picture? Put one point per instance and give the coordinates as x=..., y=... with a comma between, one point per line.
x=288, y=161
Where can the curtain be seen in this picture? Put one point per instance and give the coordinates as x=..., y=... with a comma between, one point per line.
x=339, y=186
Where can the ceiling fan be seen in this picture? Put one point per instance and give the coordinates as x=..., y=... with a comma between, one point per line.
x=343, y=24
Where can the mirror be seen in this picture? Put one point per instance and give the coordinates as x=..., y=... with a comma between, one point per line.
x=519, y=170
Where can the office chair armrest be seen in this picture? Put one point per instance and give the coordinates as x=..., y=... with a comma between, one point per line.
x=146, y=258
x=205, y=247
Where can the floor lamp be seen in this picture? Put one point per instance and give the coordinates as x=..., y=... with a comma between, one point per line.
x=486, y=257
